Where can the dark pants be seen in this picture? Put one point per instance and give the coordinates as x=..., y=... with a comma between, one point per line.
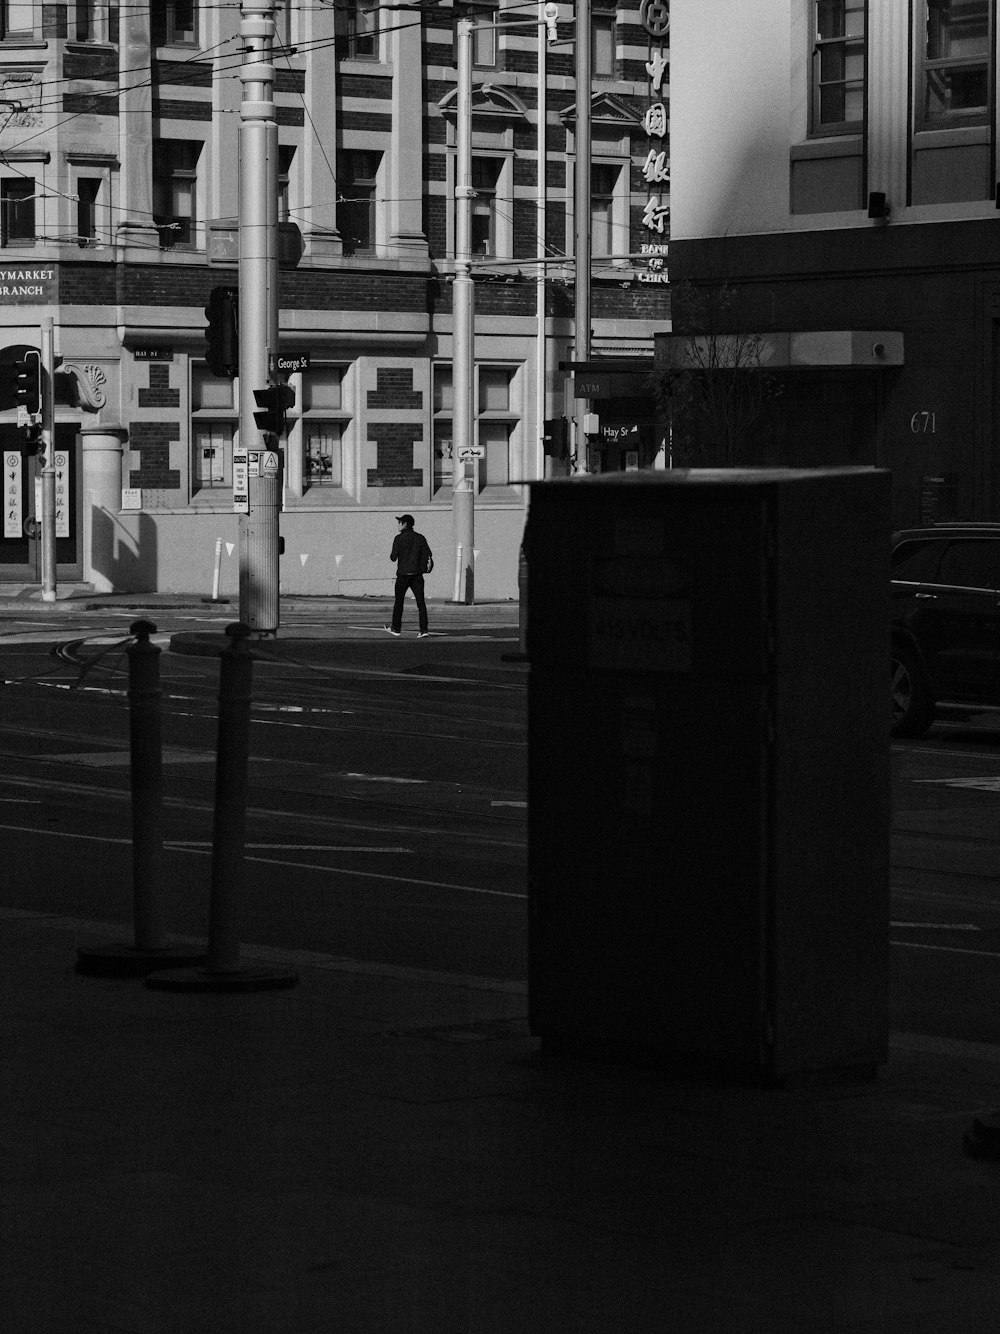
x=416, y=583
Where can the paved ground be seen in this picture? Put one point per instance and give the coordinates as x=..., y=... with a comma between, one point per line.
x=379, y=1149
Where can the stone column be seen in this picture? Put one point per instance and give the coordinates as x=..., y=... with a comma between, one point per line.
x=135, y=135
x=102, y=495
x=405, y=187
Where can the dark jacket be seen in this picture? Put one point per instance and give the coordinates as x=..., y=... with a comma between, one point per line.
x=410, y=549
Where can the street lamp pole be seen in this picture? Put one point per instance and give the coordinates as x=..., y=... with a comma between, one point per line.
x=258, y=315
x=463, y=332
x=581, y=217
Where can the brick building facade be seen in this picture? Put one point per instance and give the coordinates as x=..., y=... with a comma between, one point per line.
x=118, y=183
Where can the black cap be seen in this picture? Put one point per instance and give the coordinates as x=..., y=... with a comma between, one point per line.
x=408, y=519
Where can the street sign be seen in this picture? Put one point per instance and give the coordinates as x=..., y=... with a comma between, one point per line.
x=12, y=494
x=241, y=488
x=287, y=363
x=472, y=452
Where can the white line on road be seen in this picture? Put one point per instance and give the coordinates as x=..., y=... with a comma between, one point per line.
x=273, y=861
x=509, y=803
x=286, y=847
x=983, y=784
x=937, y=926
x=944, y=949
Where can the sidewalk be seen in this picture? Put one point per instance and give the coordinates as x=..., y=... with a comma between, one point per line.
x=385, y=1150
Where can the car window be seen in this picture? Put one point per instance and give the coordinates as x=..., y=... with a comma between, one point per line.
x=916, y=561
x=970, y=563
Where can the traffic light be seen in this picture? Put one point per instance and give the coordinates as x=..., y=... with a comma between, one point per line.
x=555, y=438
x=11, y=359
x=28, y=381
x=222, y=336
x=273, y=402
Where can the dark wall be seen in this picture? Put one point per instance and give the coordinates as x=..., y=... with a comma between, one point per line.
x=932, y=420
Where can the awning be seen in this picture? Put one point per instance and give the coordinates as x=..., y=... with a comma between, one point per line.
x=861, y=348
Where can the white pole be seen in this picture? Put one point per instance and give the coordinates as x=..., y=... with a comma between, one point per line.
x=540, y=149
x=581, y=216
x=47, y=370
x=463, y=324
x=258, y=286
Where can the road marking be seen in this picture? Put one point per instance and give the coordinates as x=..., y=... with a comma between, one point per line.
x=936, y=926
x=121, y=758
x=285, y=847
x=972, y=784
x=519, y=804
x=272, y=861
x=944, y=949
x=380, y=778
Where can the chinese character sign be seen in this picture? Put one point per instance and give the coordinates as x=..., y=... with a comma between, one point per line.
x=655, y=18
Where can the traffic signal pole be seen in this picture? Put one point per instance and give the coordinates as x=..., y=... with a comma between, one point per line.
x=47, y=371
x=258, y=315
x=463, y=501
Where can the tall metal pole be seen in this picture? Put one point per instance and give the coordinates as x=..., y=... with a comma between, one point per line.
x=463, y=327
x=581, y=215
x=540, y=150
x=258, y=286
x=47, y=369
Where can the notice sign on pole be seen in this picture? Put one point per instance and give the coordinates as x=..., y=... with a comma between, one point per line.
x=61, y=460
x=12, y=493
x=241, y=489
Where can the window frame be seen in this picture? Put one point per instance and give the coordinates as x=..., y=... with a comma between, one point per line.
x=604, y=21
x=9, y=33
x=362, y=27
x=15, y=193
x=213, y=416
x=351, y=183
x=818, y=127
x=927, y=66
x=171, y=29
x=510, y=418
x=325, y=416
x=164, y=186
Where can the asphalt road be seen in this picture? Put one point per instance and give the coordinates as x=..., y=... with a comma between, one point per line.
x=386, y=808
x=387, y=816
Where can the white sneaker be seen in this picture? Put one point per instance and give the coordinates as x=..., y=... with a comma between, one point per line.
x=424, y=634
x=390, y=631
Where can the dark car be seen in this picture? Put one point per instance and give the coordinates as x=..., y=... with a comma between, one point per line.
x=945, y=621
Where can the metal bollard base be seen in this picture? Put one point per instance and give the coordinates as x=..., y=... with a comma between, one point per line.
x=121, y=960
x=205, y=980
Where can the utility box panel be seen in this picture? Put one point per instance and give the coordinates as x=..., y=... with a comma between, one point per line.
x=709, y=803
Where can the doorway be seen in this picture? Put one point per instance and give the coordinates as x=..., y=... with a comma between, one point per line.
x=21, y=543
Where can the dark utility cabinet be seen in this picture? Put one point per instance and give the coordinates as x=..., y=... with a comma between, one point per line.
x=709, y=768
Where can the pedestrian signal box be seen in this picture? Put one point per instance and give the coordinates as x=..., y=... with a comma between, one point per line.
x=273, y=404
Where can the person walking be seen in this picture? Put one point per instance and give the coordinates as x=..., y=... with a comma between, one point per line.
x=413, y=560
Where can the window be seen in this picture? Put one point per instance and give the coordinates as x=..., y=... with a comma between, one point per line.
x=17, y=19
x=285, y=155
x=494, y=428
x=838, y=68
x=485, y=176
x=175, y=191
x=603, y=188
x=957, y=45
x=362, y=30
x=17, y=211
x=484, y=42
x=357, y=171
x=87, y=190
x=283, y=22
x=213, y=426
x=602, y=46
x=175, y=22
x=324, y=425
x=971, y=564
x=96, y=22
